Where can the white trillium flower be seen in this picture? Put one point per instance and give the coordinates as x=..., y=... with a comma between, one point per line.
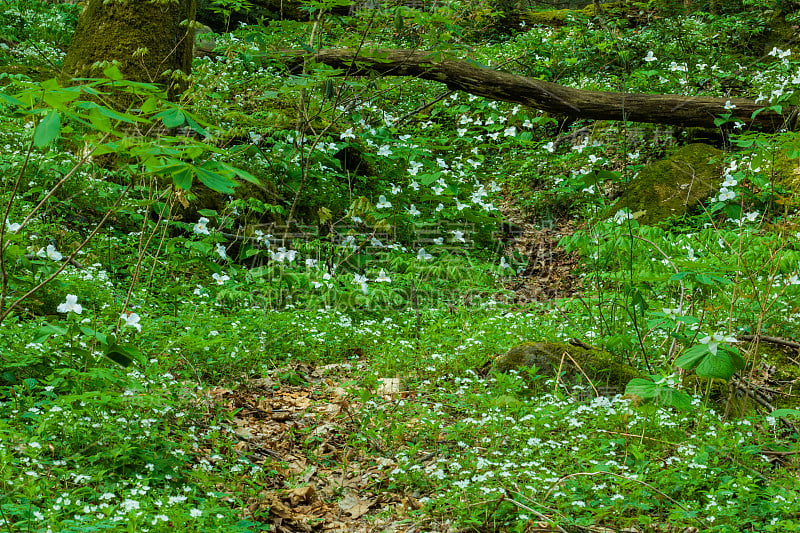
x=725, y=194
x=361, y=280
x=713, y=341
x=220, y=278
x=70, y=305
x=422, y=255
x=650, y=57
x=221, y=251
x=622, y=216
x=53, y=254
x=414, y=167
x=413, y=211
x=383, y=202
x=132, y=319
x=382, y=277
x=282, y=254
x=200, y=227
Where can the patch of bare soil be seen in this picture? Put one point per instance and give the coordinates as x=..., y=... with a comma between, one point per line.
x=321, y=483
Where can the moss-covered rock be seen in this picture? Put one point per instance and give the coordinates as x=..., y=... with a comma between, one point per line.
x=604, y=369
x=559, y=17
x=673, y=186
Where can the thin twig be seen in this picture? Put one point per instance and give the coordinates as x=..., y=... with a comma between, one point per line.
x=142, y=247
x=574, y=362
x=537, y=514
x=674, y=345
x=3, y=273
x=771, y=340
x=4, y=314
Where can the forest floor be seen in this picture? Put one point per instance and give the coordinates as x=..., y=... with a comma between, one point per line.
x=301, y=432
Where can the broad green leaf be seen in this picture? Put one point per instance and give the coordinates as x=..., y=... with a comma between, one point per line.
x=195, y=126
x=182, y=177
x=11, y=100
x=692, y=357
x=95, y=334
x=239, y=173
x=45, y=332
x=118, y=357
x=47, y=130
x=113, y=73
x=214, y=181
x=202, y=247
x=676, y=398
x=149, y=105
x=782, y=413
x=172, y=118
x=718, y=366
x=99, y=121
x=643, y=388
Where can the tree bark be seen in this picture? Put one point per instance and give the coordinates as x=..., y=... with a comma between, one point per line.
x=470, y=77
x=120, y=30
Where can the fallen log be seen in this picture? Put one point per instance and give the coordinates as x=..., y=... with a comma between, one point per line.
x=473, y=78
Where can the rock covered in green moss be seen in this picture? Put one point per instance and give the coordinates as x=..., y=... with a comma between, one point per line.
x=560, y=17
x=673, y=186
x=603, y=368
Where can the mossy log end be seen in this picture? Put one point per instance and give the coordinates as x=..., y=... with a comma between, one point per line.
x=470, y=77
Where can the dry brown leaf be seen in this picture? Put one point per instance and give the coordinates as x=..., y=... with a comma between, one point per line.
x=301, y=495
x=355, y=506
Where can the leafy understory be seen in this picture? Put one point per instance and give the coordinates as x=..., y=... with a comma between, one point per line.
x=275, y=304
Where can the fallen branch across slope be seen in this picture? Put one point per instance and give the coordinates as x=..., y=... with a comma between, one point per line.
x=687, y=111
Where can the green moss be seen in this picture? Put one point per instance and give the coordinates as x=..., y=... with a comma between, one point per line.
x=34, y=73
x=784, y=172
x=600, y=366
x=559, y=17
x=673, y=186
x=119, y=31
x=780, y=33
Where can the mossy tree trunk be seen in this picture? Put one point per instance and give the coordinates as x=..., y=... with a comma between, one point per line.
x=151, y=41
x=686, y=111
